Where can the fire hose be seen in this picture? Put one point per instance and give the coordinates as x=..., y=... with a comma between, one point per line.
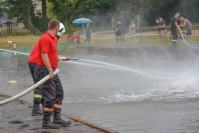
x=27, y=90
x=184, y=40
x=75, y=118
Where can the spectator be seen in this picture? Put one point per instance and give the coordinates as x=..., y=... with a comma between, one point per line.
x=174, y=27
x=114, y=23
x=132, y=27
x=161, y=26
x=88, y=33
x=185, y=23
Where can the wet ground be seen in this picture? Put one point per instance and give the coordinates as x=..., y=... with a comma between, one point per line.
x=15, y=117
x=139, y=89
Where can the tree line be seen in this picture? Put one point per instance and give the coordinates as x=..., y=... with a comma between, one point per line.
x=100, y=11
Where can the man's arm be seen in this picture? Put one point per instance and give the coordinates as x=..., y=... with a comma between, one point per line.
x=177, y=25
x=183, y=23
x=46, y=62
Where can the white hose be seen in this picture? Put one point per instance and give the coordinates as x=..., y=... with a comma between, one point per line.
x=27, y=90
x=187, y=44
x=11, y=51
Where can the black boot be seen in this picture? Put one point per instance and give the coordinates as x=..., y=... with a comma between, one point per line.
x=36, y=110
x=47, y=124
x=57, y=120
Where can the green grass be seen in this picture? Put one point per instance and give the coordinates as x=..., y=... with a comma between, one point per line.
x=27, y=42
x=195, y=39
x=141, y=39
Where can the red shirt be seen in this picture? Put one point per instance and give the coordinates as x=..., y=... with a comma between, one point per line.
x=46, y=44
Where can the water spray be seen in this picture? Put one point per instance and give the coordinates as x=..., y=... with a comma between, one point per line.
x=93, y=65
x=105, y=64
x=123, y=68
x=86, y=122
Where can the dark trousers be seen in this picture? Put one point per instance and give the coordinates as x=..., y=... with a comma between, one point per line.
x=174, y=34
x=37, y=96
x=52, y=91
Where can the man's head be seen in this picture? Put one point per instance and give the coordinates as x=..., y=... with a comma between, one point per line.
x=181, y=18
x=157, y=20
x=160, y=19
x=53, y=26
x=177, y=15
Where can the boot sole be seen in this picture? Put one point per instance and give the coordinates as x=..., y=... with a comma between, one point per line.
x=44, y=127
x=63, y=125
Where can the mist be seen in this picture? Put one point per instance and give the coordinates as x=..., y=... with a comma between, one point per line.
x=148, y=11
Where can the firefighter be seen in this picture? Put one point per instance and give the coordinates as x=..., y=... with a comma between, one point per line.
x=44, y=56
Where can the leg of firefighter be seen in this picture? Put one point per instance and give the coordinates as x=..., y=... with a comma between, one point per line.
x=174, y=37
x=59, y=94
x=48, y=93
x=36, y=110
x=37, y=92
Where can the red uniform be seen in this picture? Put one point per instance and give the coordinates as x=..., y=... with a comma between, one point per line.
x=46, y=44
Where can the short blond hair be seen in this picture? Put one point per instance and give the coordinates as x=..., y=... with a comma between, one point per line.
x=52, y=24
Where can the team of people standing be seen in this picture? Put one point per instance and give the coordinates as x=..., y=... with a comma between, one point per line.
x=43, y=60
x=178, y=22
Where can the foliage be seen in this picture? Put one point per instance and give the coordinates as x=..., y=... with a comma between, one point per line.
x=23, y=11
x=41, y=24
x=100, y=11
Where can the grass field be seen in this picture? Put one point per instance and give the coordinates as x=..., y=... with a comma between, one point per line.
x=26, y=42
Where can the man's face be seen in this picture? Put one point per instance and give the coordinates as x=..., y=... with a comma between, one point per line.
x=181, y=18
x=177, y=15
x=57, y=29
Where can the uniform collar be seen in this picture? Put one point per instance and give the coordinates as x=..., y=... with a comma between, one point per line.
x=51, y=36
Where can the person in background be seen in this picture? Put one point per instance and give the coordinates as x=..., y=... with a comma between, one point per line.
x=132, y=30
x=88, y=33
x=132, y=27
x=114, y=23
x=45, y=57
x=185, y=23
x=118, y=32
x=161, y=26
x=174, y=27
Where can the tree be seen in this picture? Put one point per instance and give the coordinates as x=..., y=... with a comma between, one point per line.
x=43, y=3
x=3, y=7
x=23, y=11
x=1, y=11
x=189, y=9
x=62, y=9
x=94, y=7
x=68, y=10
x=100, y=11
x=147, y=9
